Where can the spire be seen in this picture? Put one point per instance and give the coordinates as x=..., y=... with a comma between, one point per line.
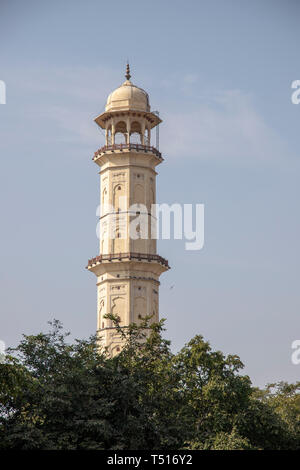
x=127, y=75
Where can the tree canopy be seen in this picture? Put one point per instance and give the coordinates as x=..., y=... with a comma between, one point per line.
x=57, y=394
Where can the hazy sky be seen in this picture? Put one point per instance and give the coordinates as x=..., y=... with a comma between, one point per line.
x=220, y=73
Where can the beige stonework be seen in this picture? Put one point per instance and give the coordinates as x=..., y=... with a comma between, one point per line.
x=127, y=269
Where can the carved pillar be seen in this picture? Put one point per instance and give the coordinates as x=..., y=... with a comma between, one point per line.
x=143, y=133
x=112, y=131
x=148, y=135
x=128, y=122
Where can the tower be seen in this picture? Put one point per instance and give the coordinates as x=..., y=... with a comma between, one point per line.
x=128, y=267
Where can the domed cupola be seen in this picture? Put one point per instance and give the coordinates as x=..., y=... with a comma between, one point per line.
x=128, y=96
x=127, y=100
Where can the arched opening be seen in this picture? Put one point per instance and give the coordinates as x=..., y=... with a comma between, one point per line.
x=101, y=312
x=118, y=241
x=104, y=195
x=135, y=133
x=118, y=197
x=120, y=133
x=118, y=308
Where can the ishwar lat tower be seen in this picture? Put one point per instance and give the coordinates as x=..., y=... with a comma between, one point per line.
x=128, y=267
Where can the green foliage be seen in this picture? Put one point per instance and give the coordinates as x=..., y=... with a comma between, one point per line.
x=284, y=399
x=222, y=441
x=57, y=395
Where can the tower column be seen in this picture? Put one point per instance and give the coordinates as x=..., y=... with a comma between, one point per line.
x=112, y=132
x=128, y=129
x=143, y=133
x=127, y=268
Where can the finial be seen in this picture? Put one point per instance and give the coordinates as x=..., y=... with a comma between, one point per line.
x=127, y=75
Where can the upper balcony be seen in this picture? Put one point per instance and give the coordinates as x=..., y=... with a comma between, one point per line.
x=127, y=148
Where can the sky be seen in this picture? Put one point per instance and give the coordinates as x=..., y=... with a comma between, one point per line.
x=220, y=74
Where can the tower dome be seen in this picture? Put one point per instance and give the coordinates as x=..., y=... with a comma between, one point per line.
x=128, y=96
x=128, y=99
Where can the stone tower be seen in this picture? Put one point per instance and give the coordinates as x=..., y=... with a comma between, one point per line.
x=128, y=267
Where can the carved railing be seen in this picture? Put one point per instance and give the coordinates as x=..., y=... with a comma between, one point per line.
x=136, y=147
x=130, y=255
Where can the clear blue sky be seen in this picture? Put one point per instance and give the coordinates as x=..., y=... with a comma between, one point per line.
x=220, y=73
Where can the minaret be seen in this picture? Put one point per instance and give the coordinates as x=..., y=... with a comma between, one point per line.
x=128, y=267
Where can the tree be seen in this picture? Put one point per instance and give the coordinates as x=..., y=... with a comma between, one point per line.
x=59, y=395
x=284, y=399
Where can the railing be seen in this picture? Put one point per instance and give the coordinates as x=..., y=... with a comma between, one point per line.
x=137, y=147
x=130, y=255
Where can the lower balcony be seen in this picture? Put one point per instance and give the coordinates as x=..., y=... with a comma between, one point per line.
x=127, y=256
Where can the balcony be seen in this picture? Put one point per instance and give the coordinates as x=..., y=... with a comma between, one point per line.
x=129, y=147
x=128, y=256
